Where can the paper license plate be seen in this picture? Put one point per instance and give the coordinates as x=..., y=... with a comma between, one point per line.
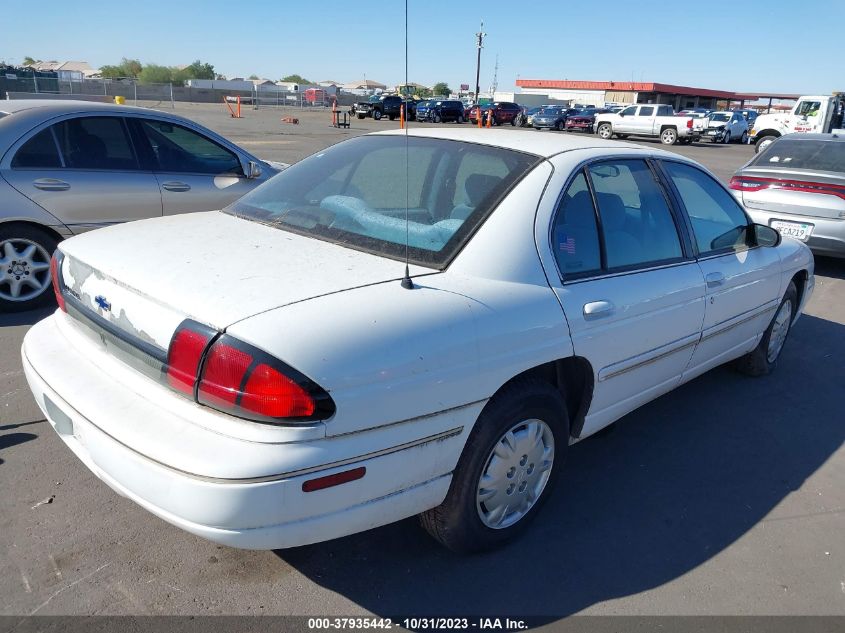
x=798, y=230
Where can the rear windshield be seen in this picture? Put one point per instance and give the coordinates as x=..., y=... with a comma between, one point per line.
x=356, y=194
x=812, y=154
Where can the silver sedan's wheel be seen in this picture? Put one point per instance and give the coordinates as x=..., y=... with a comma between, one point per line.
x=24, y=270
x=780, y=329
x=516, y=473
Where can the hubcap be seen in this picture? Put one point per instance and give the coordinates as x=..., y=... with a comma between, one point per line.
x=24, y=270
x=780, y=328
x=515, y=474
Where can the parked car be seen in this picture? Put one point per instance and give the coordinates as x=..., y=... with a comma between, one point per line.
x=697, y=113
x=378, y=107
x=312, y=388
x=444, y=110
x=503, y=112
x=749, y=115
x=724, y=127
x=550, y=119
x=583, y=121
x=650, y=120
x=526, y=116
x=410, y=109
x=70, y=166
x=797, y=186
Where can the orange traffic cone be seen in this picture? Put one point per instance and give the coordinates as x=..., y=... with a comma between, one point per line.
x=401, y=116
x=490, y=118
x=478, y=116
x=334, y=113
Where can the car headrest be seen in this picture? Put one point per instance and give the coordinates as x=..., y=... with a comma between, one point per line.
x=478, y=186
x=578, y=211
x=612, y=211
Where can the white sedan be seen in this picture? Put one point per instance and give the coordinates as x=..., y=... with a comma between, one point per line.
x=269, y=375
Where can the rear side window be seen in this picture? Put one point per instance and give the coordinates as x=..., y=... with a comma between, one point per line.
x=38, y=152
x=646, y=111
x=95, y=143
x=719, y=224
x=575, y=236
x=178, y=149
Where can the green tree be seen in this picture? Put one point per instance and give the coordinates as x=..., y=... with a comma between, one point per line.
x=112, y=72
x=200, y=70
x=441, y=88
x=132, y=67
x=28, y=61
x=155, y=74
x=253, y=77
x=297, y=79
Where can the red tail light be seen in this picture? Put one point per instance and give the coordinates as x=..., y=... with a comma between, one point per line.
x=752, y=183
x=184, y=355
x=689, y=123
x=241, y=380
x=56, y=277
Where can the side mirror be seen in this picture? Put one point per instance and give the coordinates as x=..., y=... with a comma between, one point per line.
x=253, y=170
x=621, y=113
x=766, y=235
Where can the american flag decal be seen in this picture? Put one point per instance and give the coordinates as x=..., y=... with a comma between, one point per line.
x=567, y=245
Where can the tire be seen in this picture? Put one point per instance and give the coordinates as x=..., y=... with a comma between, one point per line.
x=30, y=248
x=743, y=140
x=361, y=116
x=557, y=126
x=669, y=136
x=392, y=117
x=726, y=138
x=460, y=119
x=377, y=115
x=763, y=359
x=513, y=122
x=436, y=118
x=524, y=408
x=763, y=142
x=605, y=131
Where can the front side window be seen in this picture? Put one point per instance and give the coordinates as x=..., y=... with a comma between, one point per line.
x=178, y=149
x=718, y=222
x=808, y=108
x=357, y=194
x=39, y=152
x=629, y=111
x=95, y=143
x=636, y=220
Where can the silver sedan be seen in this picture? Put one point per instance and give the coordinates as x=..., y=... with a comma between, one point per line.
x=797, y=186
x=70, y=166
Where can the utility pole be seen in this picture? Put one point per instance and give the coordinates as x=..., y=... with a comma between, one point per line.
x=480, y=36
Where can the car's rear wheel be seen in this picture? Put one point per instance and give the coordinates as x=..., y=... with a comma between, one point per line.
x=25, y=280
x=763, y=358
x=669, y=136
x=605, y=131
x=506, y=470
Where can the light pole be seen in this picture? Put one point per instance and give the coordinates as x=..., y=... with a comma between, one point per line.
x=480, y=35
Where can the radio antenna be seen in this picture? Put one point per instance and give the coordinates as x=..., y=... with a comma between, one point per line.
x=407, y=283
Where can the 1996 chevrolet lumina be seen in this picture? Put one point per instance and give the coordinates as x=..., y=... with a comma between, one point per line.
x=262, y=377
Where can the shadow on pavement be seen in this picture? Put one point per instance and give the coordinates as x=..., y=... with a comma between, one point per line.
x=31, y=317
x=679, y=481
x=13, y=439
x=830, y=267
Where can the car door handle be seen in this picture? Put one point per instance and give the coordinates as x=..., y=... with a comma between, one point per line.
x=598, y=309
x=51, y=184
x=175, y=185
x=714, y=279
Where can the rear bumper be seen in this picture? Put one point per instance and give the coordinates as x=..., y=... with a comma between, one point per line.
x=255, y=512
x=827, y=238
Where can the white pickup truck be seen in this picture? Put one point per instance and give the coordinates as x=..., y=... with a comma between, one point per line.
x=650, y=120
x=810, y=114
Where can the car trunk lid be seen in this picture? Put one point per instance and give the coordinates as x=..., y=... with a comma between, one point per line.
x=797, y=192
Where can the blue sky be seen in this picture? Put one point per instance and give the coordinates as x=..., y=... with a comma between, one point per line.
x=755, y=45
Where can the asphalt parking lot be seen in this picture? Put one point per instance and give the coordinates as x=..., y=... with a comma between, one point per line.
x=723, y=497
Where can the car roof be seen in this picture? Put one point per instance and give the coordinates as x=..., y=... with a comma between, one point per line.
x=545, y=145
x=62, y=106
